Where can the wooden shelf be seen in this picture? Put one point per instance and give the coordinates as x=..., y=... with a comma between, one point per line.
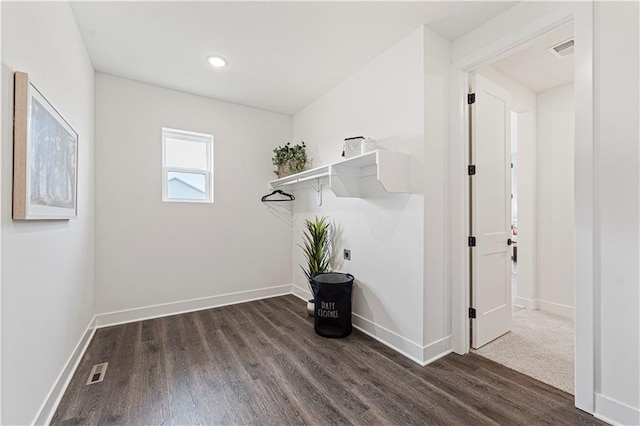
x=367, y=175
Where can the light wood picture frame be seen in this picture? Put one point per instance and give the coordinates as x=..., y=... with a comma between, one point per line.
x=45, y=157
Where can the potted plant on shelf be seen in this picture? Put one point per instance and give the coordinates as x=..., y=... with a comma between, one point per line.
x=290, y=159
x=317, y=251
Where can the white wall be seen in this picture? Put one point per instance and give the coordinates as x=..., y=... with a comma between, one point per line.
x=527, y=208
x=437, y=294
x=522, y=99
x=48, y=266
x=616, y=82
x=523, y=102
x=150, y=252
x=385, y=100
x=555, y=200
x=1, y=180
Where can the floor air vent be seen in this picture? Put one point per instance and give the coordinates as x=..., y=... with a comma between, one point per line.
x=97, y=373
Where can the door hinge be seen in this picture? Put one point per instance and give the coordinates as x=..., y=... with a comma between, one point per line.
x=472, y=313
x=471, y=98
x=472, y=241
x=471, y=169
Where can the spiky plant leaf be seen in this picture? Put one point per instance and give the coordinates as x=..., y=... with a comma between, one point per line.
x=316, y=247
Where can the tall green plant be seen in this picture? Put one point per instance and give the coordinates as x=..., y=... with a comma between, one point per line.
x=316, y=247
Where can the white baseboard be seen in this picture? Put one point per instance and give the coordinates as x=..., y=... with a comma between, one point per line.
x=615, y=412
x=302, y=293
x=156, y=311
x=50, y=404
x=400, y=344
x=422, y=355
x=555, y=308
x=436, y=350
x=525, y=303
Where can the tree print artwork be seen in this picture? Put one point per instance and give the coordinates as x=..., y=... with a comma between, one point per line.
x=53, y=154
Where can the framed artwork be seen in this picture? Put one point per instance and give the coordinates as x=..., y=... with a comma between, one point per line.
x=45, y=157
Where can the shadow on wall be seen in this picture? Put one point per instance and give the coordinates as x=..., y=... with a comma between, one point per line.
x=364, y=299
x=401, y=143
x=407, y=145
x=283, y=211
x=369, y=306
x=337, y=246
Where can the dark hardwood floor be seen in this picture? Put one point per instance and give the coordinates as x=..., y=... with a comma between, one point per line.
x=261, y=363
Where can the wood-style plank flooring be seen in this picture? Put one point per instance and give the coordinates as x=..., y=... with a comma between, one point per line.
x=261, y=363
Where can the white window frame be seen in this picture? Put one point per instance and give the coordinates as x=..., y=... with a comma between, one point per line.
x=208, y=172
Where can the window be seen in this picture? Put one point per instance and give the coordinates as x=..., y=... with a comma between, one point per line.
x=187, y=166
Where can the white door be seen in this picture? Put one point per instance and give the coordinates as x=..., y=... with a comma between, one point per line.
x=490, y=211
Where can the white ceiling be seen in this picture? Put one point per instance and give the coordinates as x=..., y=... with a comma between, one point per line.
x=282, y=55
x=538, y=69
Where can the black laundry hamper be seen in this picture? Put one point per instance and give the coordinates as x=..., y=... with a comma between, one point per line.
x=333, y=294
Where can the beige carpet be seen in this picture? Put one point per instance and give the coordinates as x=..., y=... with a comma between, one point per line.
x=539, y=345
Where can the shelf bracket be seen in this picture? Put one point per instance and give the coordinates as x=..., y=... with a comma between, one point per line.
x=318, y=189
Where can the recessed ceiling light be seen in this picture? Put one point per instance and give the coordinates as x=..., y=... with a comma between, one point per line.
x=217, y=61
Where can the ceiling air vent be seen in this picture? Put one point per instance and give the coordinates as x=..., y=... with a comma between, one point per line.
x=564, y=49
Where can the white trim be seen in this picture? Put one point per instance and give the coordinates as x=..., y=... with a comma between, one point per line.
x=302, y=293
x=401, y=344
x=436, y=350
x=1, y=221
x=50, y=404
x=607, y=409
x=108, y=319
x=555, y=308
x=184, y=135
x=422, y=355
x=587, y=241
x=525, y=302
x=458, y=189
x=195, y=136
x=586, y=268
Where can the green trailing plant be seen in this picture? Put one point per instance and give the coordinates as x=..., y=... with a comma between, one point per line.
x=316, y=246
x=290, y=159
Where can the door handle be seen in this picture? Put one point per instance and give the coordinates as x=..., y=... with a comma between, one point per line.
x=509, y=242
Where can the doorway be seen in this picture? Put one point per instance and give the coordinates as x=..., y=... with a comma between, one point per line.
x=524, y=319
x=582, y=17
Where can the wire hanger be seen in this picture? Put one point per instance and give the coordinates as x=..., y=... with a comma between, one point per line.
x=266, y=199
